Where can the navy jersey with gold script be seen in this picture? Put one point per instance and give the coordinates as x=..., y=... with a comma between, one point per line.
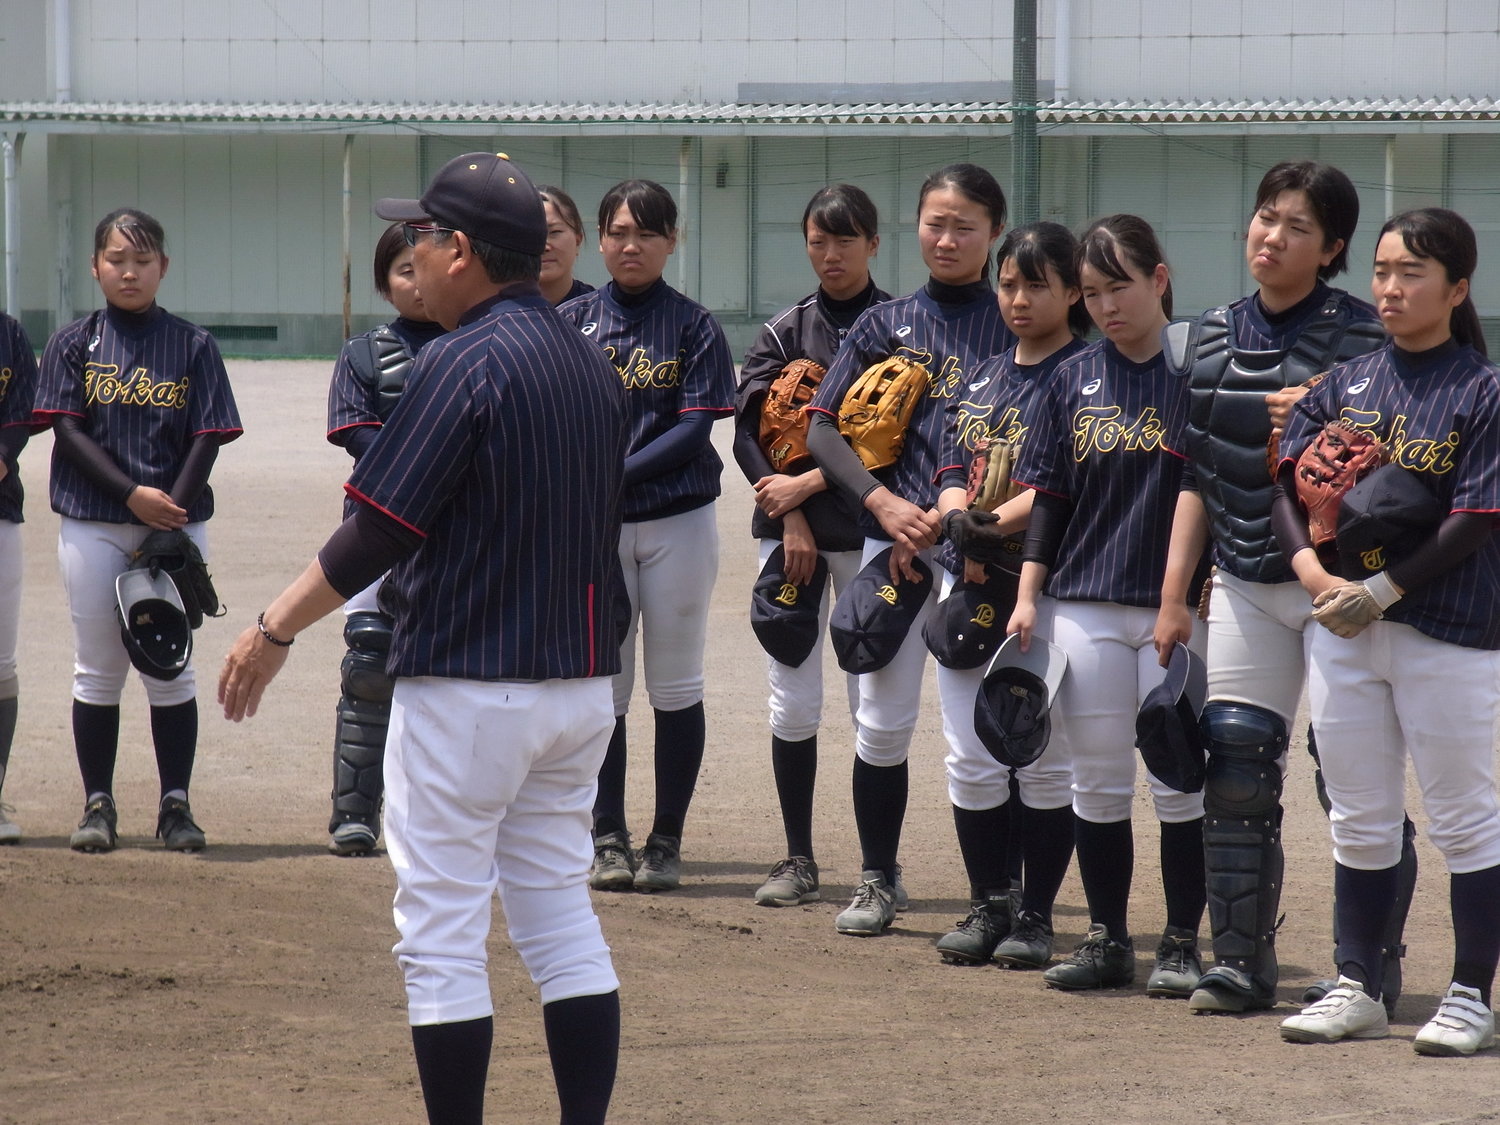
x=513, y=402
x=994, y=405
x=672, y=358
x=951, y=338
x=145, y=384
x=1439, y=414
x=18, y=379
x=1103, y=434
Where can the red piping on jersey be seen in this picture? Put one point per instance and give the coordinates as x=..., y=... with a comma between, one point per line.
x=591, y=628
x=350, y=426
x=44, y=417
x=233, y=433
x=937, y=476
x=822, y=410
x=710, y=409
x=1046, y=491
x=363, y=499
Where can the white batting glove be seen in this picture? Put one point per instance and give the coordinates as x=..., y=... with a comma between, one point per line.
x=1346, y=610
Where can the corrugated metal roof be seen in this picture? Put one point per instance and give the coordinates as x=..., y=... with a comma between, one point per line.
x=304, y=114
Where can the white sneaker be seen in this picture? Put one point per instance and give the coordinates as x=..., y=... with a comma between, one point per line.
x=10, y=831
x=1463, y=1024
x=1345, y=1013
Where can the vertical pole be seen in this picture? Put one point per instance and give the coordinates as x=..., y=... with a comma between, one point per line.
x=1025, y=178
x=347, y=201
x=684, y=159
x=12, y=146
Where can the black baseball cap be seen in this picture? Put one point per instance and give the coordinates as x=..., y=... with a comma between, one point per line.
x=1166, y=728
x=785, y=616
x=482, y=194
x=1013, y=707
x=1386, y=516
x=873, y=614
x=968, y=626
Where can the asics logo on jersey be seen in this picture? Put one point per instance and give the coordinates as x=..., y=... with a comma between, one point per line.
x=1091, y=388
x=588, y=329
x=887, y=594
x=1355, y=388
x=979, y=385
x=103, y=386
x=903, y=331
x=94, y=343
x=787, y=595
x=638, y=373
x=984, y=616
x=1099, y=429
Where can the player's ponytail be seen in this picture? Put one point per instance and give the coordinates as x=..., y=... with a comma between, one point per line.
x=1112, y=242
x=973, y=183
x=1445, y=237
x=1038, y=247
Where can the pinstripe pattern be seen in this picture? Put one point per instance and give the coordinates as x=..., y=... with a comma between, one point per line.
x=1253, y=332
x=147, y=385
x=18, y=380
x=1441, y=420
x=1102, y=434
x=671, y=357
x=505, y=453
x=951, y=341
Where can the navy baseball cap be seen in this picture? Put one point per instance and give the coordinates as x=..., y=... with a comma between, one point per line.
x=482, y=194
x=1386, y=516
x=785, y=616
x=1166, y=729
x=1012, y=709
x=873, y=614
x=968, y=626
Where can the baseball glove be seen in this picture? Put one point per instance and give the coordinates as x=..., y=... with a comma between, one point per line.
x=783, y=422
x=989, y=474
x=972, y=531
x=1330, y=467
x=878, y=408
x=176, y=555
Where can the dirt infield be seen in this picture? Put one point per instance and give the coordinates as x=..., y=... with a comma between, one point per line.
x=254, y=982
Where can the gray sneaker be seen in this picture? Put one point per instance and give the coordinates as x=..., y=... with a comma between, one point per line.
x=353, y=837
x=1029, y=945
x=10, y=831
x=1099, y=962
x=1178, y=965
x=872, y=910
x=792, y=882
x=659, y=867
x=175, y=827
x=614, y=863
x=975, y=939
x=898, y=892
x=96, y=831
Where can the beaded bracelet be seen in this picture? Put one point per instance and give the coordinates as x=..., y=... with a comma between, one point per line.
x=260, y=623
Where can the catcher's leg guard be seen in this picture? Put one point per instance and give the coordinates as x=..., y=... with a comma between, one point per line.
x=1242, y=854
x=364, y=713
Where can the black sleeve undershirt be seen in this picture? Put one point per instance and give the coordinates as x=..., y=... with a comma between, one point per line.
x=841, y=466
x=1050, y=516
x=365, y=546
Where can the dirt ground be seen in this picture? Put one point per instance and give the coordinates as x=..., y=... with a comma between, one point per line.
x=254, y=982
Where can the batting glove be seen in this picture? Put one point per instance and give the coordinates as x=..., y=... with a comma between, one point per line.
x=1346, y=610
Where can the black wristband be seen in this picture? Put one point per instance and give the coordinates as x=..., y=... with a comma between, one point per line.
x=260, y=623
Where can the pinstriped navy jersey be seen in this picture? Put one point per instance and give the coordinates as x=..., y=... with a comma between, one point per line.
x=1103, y=433
x=993, y=405
x=145, y=385
x=353, y=402
x=505, y=452
x=1440, y=419
x=1254, y=330
x=950, y=341
x=672, y=357
x=18, y=378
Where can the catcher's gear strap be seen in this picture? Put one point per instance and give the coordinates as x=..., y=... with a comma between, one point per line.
x=877, y=409
x=381, y=362
x=783, y=419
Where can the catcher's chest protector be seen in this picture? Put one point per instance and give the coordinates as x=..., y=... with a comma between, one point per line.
x=383, y=364
x=1228, y=424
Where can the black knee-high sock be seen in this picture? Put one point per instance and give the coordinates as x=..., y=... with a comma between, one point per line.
x=96, y=741
x=1015, y=844
x=795, y=765
x=879, y=809
x=1362, y=903
x=983, y=841
x=1474, y=899
x=1106, y=863
x=609, y=804
x=9, y=708
x=1183, y=876
x=679, y=756
x=174, y=733
x=1049, y=837
x=453, y=1062
x=583, y=1040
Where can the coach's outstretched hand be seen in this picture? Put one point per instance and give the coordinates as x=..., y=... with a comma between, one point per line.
x=249, y=668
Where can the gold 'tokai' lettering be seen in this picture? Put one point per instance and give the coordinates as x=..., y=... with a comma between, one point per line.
x=638, y=373
x=1099, y=429
x=103, y=386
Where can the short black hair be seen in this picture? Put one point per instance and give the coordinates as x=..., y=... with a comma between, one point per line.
x=1037, y=247
x=138, y=228
x=1330, y=193
x=651, y=206
x=501, y=264
x=388, y=248
x=844, y=211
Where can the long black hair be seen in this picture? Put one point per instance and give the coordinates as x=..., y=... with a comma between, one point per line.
x=1114, y=240
x=973, y=183
x=139, y=229
x=1445, y=237
x=1038, y=247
